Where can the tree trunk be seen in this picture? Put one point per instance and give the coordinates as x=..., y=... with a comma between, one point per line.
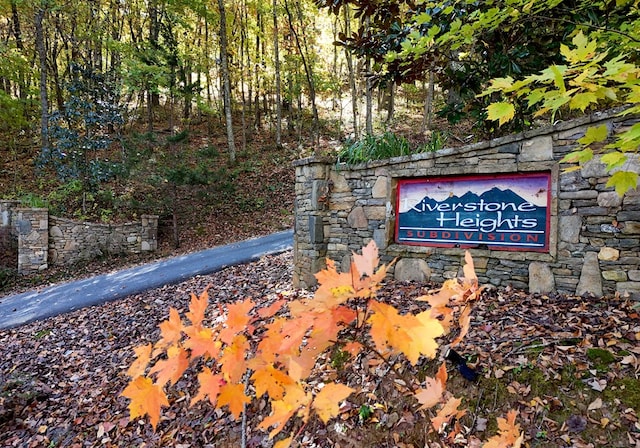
x=256, y=74
x=226, y=82
x=42, y=57
x=308, y=70
x=154, y=34
x=428, y=105
x=391, y=101
x=276, y=56
x=352, y=77
x=243, y=42
x=17, y=34
x=369, y=98
x=369, y=94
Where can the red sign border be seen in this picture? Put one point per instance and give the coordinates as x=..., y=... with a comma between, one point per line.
x=472, y=177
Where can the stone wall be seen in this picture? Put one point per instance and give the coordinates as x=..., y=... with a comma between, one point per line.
x=73, y=241
x=43, y=240
x=594, y=237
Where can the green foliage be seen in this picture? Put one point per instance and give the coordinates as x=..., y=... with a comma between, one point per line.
x=436, y=142
x=591, y=78
x=386, y=146
x=365, y=412
x=33, y=200
x=373, y=147
x=179, y=137
x=85, y=127
x=5, y=276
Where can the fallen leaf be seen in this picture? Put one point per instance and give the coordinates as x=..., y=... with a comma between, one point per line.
x=595, y=404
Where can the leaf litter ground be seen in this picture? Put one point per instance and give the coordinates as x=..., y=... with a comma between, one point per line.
x=569, y=365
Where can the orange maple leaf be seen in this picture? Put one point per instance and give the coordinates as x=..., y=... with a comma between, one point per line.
x=327, y=325
x=237, y=320
x=268, y=347
x=197, y=308
x=464, y=322
x=446, y=412
x=335, y=288
x=143, y=356
x=272, y=309
x=367, y=262
x=468, y=269
x=267, y=378
x=210, y=385
x=232, y=361
x=353, y=348
x=327, y=402
x=146, y=398
x=408, y=334
x=509, y=435
x=432, y=394
x=232, y=395
x=202, y=341
x=282, y=410
x=293, y=332
x=172, y=368
x=170, y=329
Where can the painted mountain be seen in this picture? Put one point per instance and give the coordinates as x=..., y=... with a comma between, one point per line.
x=426, y=213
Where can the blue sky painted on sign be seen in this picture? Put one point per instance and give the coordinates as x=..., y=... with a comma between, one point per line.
x=531, y=188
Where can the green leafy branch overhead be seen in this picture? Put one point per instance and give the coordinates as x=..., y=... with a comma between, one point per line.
x=589, y=79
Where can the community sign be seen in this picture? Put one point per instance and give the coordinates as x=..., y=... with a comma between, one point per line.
x=501, y=212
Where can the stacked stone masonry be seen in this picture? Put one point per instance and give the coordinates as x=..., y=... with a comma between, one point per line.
x=594, y=238
x=45, y=240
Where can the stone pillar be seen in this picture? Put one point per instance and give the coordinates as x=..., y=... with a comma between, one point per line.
x=149, y=233
x=8, y=235
x=311, y=212
x=32, y=227
x=6, y=212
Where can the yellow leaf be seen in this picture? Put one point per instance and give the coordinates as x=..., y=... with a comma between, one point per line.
x=623, y=181
x=583, y=100
x=327, y=402
x=284, y=443
x=594, y=134
x=503, y=112
x=146, y=398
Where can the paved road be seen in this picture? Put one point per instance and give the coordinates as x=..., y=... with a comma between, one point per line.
x=23, y=308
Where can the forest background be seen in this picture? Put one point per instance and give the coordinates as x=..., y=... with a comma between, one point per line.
x=194, y=110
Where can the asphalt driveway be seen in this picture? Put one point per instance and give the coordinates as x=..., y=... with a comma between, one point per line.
x=23, y=308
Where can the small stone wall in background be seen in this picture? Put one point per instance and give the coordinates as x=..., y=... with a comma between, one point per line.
x=594, y=237
x=45, y=240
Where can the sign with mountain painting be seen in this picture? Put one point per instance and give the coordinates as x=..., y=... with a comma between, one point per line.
x=503, y=212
